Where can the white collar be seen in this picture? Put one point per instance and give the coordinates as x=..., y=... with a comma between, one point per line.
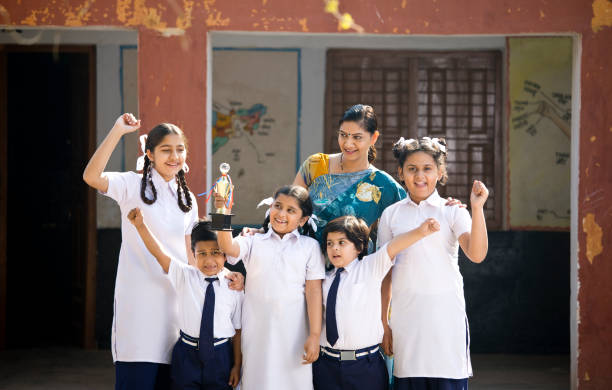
x=221, y=276
x=347, y=268
x=159, y=182
x=271, y=232
x=433, y=199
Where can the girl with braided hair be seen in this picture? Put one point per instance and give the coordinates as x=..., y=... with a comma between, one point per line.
x=145, y=323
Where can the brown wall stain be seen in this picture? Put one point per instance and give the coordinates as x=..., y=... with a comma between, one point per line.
x=593, y=236
x=602, y=15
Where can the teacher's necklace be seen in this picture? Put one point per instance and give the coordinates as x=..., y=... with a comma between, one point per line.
x=342, y=165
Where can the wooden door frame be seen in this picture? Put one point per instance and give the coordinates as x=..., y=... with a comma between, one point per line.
x=90, y=252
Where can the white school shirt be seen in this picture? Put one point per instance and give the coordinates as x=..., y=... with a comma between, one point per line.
x=190, y=285
x=358, y=302
x=274, y=317
x=428, y=319
x=145, y=320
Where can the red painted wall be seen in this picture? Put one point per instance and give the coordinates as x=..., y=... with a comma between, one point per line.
x=172, y=87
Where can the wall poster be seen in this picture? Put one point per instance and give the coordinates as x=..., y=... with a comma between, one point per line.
x=255, y=123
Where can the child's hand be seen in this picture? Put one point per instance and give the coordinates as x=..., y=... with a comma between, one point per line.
x=311, y=350
x=135, y=217
x=429, y=226
x=236, y=281
x=454, y=202
x=219, y=200
x=234, y=378
x=127, y=123
x=479, y=194
x=248, y=231
x=387, y=341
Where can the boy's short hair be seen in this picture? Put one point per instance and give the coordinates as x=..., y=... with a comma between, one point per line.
x=355, y=229
x=201, y=231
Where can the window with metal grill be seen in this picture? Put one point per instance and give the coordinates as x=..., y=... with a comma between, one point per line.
x=455, y=95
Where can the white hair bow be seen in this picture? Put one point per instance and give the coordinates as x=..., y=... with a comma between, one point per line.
x=268, y=202
x=436, y=142
x=402, y=141
x=140, y=161
x=312, y=221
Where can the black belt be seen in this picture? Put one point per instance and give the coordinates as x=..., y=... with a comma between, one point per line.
x=195, y=342
x=342, y=355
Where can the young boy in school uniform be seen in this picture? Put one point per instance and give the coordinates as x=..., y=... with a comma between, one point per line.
x=209, y=312
x=352, y=326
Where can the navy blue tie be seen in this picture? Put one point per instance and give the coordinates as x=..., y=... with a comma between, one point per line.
x=206, y=324
x=331, y=327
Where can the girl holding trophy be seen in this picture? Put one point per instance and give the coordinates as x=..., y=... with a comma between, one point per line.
x=285, y=268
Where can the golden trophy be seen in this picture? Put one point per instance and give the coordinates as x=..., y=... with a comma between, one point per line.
x=222, y=217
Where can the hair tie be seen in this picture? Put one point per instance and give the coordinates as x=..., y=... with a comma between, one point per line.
x=185, y=167
x=436, y=141
x=268, y=202
x=140, y=161
x=312, y=221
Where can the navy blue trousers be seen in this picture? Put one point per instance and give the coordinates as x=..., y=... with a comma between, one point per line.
x=189, y=372
x=429, y=384
x=366, y=373
x=142, y=375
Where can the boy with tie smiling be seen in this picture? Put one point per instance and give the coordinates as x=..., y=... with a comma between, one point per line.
x=209, y=312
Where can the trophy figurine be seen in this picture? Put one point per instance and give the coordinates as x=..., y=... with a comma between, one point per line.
x=222, y=217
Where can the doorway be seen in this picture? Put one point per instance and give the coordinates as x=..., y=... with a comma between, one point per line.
x=48, y=232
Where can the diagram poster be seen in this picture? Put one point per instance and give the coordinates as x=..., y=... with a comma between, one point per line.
x=255, y=123
x=540, y=83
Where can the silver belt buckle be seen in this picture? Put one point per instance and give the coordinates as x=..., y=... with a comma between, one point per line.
x=347, y=355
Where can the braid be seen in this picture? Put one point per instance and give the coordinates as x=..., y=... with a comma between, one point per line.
x=265, y=224
x=183, y=189
x=146, y=174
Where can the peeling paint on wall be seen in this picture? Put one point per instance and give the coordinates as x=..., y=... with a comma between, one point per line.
x=184, y=21
x=37, y=16
x=217, y=20
x=593, y=236
x=303, y=22
x=78, y=16
x=602, y=15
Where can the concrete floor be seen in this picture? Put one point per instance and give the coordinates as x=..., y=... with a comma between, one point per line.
x=68, y=369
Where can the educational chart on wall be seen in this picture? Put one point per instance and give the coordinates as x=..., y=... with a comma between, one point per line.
x=255, y=123
x=540, y=83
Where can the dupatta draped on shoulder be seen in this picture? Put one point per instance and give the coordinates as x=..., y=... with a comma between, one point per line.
x=364, y=194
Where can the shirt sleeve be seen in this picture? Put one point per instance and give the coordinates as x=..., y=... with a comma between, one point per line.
x=177, y=273
x=315, y=267
x=119, y=185
x=245, y=243
x=379, y=263
x=384, y=229
x=237, y=313
x=462, y=222
x=193, y=216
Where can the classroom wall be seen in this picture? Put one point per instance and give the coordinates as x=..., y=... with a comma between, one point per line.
x=314, y=48
x=175, y=82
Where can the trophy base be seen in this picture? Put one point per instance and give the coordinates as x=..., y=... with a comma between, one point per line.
x=222, y=222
